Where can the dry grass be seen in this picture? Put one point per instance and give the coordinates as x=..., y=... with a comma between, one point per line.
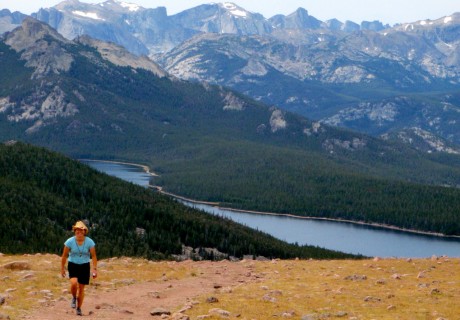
x=382, y=289
x=365, y=289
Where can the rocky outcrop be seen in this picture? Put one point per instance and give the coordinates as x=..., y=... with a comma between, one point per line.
x=41, y=47
x=41, y=110
x=121, y=57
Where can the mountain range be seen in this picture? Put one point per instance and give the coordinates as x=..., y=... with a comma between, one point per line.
x=395, y=82
x=91, y=99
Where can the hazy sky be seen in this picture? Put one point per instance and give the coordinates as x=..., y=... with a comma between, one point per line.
x=387, y=11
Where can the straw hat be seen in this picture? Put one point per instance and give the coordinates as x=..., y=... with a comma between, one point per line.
x=80, y=225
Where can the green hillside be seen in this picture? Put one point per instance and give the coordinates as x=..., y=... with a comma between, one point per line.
x=43, y=193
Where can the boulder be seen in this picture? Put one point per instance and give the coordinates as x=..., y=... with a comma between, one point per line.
x=17, y=265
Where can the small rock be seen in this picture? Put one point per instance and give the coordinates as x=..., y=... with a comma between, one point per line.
x=126, y=311
x=180, y=316
x=154, y=294
x=435, y=291
x=356, y=277
x=391, y=307
x=269, y=298
x=220, y=312
x=341, y=314
x=160, y=312
x=371, y=299
x=212, y=300
x=288, y=314
x=2, y=300
x=28, y=276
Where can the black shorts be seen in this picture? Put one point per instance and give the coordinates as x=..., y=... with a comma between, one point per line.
x=79, y=271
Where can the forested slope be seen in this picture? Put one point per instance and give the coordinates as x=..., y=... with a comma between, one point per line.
x=43, y=193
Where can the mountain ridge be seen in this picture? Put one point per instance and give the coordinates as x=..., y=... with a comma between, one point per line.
x=216, y=145
x=366, y=62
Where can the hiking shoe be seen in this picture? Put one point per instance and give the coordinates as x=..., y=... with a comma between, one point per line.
x=79, y=312
x=73, y=304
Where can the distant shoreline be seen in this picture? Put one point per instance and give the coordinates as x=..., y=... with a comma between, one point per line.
x=216, y=204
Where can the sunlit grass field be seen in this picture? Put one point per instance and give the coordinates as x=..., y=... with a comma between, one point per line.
x=369, y=289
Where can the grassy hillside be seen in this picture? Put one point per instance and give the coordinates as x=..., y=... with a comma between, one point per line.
x=43, y=193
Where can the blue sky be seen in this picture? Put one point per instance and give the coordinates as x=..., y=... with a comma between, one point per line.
x=387, y=11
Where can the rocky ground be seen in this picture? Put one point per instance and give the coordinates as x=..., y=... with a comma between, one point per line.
x=31, y=288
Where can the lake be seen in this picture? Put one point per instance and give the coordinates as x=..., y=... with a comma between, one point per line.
x=341, y=236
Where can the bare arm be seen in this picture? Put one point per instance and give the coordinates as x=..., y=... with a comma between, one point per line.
x=65, y=254
x=94, y=258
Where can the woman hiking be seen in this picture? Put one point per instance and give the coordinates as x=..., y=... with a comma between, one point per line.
x=79, y=250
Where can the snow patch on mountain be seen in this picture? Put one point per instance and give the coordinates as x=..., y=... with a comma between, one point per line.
x=130, y=6
x=90, y=15
x=235, y=10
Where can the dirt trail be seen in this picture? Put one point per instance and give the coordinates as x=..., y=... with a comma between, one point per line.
x=137, y=300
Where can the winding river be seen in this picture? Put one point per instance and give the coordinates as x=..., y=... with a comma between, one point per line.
x=341, y=236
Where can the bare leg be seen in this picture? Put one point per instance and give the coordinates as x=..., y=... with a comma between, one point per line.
x=73, y=286
x=81, y=295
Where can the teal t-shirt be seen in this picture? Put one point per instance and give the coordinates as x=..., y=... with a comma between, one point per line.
x=79, y=254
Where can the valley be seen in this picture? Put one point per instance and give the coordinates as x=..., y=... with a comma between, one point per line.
x=212, y=144
x=314, y=121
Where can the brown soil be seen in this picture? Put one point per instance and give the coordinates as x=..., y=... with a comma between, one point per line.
x=135, y=301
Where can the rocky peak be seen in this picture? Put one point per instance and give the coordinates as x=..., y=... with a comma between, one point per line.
x=373, y=26
x=29, y=33
x=120, y=56
x=299, y=19
x=66, y=4
x=41, y=47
